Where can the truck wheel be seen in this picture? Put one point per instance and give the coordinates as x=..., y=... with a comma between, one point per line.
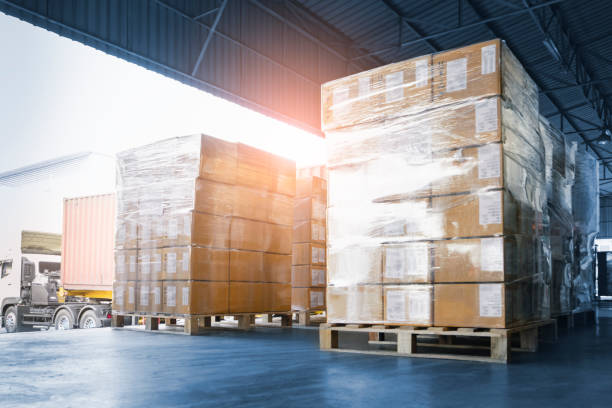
x=10, y=320
x=64, y=320
x=89, y=320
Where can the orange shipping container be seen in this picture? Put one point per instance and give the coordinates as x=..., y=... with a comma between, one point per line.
x=88, y=241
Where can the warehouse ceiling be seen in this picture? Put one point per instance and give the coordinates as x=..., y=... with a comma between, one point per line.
x=272, y=55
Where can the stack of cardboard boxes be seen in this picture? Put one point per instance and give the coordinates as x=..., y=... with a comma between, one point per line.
x=204, y=227
x=437, y=192
x=309, y=260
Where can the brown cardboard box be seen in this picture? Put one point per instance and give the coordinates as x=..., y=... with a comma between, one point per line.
x=218, y=160
x=150, y=264
x=215, y=198
x=469, y=169
x=354, y=265
x=126, y=264
x=408, y=304
x=307, y=299
x=126, y=233
x=400, y=88
x=151, y=231
x=124, y=296
x=284, y=169
x=489, y=305
x=407, y=263
x=178, y=228
x=250, y=297
x=149, y=297
x=309, y=208
x=308, y=276
x=308, y=231
x=308, y=254
x=355, y=304
x=210, y=231
x=311, y=186
x=249, y=266
x=467, y=72
x=195, y=263
x=195, y=297
x=259, y=236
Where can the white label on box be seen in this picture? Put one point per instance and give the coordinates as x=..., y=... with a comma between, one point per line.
x=187, y=225
x=394, y=228
x=490, y=299
x=133, y=230
x=490, y=208
x=171, y=295
x=419, y=306
x=364, y=86
x=314, y=231
x=156, y=262
x=146, y=265
x=489, y=159
x=394, y=262
x=492, y=254
x=318, y=277
x=394, y=85
x=121, y=233
x=321, y=233
x=172, y=228
x=316, y=298
x=120, y=264
x=156, y=296
x=318, y=210
x=144, y=296
x=340, y=95
x=171, y=262
x=186, y=296
x=131, y=295
x=421, y=72
x=132, y=263
x=487, y=59
x=456, y=75
x=416, y=260
x=396, y=306
x=186, y=261
x=486, y=115
x=322, y=255
x=145, y=229
x=158, y=227
x=118, y=295
x=314, y=255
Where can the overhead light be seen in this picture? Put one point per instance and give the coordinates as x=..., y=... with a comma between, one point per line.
x=605, y=137
x=552, y=48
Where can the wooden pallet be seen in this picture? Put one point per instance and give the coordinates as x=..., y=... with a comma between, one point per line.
x=452, y=343
x=196, y=324
x=309, y=317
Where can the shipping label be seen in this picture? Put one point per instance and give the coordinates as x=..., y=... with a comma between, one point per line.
x=489, y=161
x=490, y=208
x=132, y=264
x=171, y=262
x=486, y=115
x=394, y=85
x=419, y=306
x=145, y=267
x=172, y=228
x=492, y=254
x=318, y=277
x=185, y=296
x=487, y=59
x=144, y=296
x=157, y=296
x=317, y=298
x=131, y=297
x=456, y=75
x=364, y=86
x=171, y=295
x=421, y=72
x=490, y=299
x=186, y=261
x=396, y=306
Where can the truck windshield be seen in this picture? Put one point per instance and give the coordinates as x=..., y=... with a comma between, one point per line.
x=48, y=267
x=5, y=268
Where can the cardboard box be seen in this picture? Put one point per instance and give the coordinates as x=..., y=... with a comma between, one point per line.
x=195, y=263
x=311, y=186
x=309, y=231
x=126, y=264
x=150, y=264
x=249, y=266
x=308, y=276
x=355, y=304
x=467, y=72
x=124, y=297
x=394, y=89
x=308, y=254
x=469, y=169
x=210, y=231
x=151, y=231
x=490, y=305
x=218, y=160
x=149, y=297
x=309, y=208
x=178, y=227
x=354, y=265
x=307, y=299
x=407, y=263
x=126, y=233
x=195, y=297
x=259, y=236
x=408, y=304
x=250, y=297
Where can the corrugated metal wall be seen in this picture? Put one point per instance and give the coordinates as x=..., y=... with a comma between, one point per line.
x=260, y=57
x=605, y=217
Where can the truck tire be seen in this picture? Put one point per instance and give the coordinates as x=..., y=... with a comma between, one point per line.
x=10, y=320
x=63, y=320
x=89, y=320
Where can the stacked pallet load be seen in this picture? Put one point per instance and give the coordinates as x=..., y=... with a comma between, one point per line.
x=204, y=229
x=560, y=169
x=437, y=193
x=309, y=247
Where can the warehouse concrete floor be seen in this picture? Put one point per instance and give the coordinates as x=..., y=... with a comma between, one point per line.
x=284, y=368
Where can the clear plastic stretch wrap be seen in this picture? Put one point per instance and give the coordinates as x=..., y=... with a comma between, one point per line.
x=560, y=172
x=585, y=201
x=437, y=196
x=204, y=226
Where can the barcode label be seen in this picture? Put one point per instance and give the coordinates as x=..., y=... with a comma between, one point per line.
x=492, y=254
x=487, y=59
x=486, y=115
x=489, y=161
x=490, y=208
x=490, y=300
x=456, y=75
x=394, y=85
x=421, y=72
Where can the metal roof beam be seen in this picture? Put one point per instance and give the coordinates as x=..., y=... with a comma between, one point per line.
x=199, y=16
x=562, y=88
x=454, y=30
x=209, y=37
x=412, y=28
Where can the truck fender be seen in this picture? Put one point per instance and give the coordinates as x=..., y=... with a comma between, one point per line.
x=70, y=310
x=8, y=302
x=86, y=308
